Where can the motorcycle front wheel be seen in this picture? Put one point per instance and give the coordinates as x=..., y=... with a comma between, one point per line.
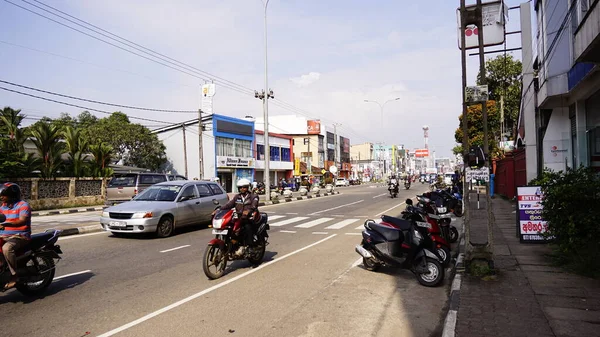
x=458, y=211
x=36, y=285
x=453, y=234
x=214, y=257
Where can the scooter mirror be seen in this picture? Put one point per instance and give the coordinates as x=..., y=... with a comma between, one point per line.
x=409, y=202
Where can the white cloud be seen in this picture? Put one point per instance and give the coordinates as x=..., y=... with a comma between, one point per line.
x=306, y=80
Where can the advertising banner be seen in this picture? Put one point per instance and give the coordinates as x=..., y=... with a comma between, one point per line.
x=313, y=127
x=223, y=161
x=530, y=221
x=421, y=153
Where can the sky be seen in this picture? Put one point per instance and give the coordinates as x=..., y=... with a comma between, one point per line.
x=325, y=58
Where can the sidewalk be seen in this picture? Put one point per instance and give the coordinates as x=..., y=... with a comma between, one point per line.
x=528, y=296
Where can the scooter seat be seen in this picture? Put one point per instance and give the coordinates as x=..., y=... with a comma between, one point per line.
x=389, y=233
x=400, y=223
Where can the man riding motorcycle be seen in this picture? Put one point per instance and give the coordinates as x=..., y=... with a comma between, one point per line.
x=393, y=183
x=246, y=206
x=15, y=232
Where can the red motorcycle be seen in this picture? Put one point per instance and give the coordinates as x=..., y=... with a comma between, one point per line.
x=227, y=227
x=441, y=215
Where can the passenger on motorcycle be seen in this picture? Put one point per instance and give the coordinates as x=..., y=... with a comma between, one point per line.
x=246, y=206
x=393, y=183
x=15, y=232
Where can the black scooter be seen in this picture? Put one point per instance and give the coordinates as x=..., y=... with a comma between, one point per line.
x=403, y=246
x=393, y=188
x=35, y=264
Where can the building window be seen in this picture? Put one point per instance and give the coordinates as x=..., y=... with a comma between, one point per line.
x=243, y=148
x=234, y=147
x=275, y=153
x=225, y=147
x=260, y=152
x=285, y=154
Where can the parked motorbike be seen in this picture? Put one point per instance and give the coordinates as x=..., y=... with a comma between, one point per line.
x=441, y=215
x=397, y=242
x=393, y=188
x=35, y=263
x=227, y=227
x=432, y=229
x=452, y=201
x=259, y=189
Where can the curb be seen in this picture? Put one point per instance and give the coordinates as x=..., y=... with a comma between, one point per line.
x=454, y=298
x=280, y=201
x=81, y=230
x=67, y=211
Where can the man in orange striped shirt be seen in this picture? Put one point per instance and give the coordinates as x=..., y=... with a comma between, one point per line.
x=15, y=232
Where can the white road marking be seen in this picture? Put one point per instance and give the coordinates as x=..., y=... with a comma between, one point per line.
x=320, y=233
x=381, y=195
x=331, y=209
x=292, y=213
x=288, y=221
x=72, y=274
x=314, y=223
x=275, y=217
x=342, y=224
x=208, y=290
x=389, y=209
x=357, y=262
x=353, y=233
x=172, y=249
x=61, y=238
x=288, y=232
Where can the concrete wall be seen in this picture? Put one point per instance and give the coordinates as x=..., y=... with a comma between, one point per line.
x=557, y=141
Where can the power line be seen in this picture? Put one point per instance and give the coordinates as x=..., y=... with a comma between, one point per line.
x=81, y=107
x=187, y=68
x=97, y=102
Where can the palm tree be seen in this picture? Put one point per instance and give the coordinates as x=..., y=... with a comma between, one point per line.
x=10, y=120
x=76, y=149
x=102, y=156
x=46, y=138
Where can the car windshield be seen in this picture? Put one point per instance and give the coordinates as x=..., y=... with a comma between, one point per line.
x=127, y=180
x=159, y=193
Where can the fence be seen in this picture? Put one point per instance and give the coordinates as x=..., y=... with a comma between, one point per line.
x=61, y=192
x=510, y=173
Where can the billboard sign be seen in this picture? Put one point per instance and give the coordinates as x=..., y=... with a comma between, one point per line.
x=530, y=221
x=420, y=153
x=313, y=127
x=494, y=17
x=476, y=94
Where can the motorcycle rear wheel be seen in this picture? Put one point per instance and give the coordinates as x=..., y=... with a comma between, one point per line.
x=458, y=211
x=434, y=275
x=257, y=254
x=36, y=288
x=453, y=234
x=217, y=257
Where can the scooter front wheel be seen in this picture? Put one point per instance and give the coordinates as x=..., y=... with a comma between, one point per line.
x=444, y=253
x=434, y=275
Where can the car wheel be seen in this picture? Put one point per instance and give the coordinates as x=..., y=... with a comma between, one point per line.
x=165, y=227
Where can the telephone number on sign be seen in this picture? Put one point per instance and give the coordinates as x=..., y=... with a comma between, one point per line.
x=529, y=227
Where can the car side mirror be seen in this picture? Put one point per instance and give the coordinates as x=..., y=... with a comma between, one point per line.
x=409, y=202
x=184, y=198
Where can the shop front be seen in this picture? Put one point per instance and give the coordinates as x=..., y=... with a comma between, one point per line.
x=233, y=149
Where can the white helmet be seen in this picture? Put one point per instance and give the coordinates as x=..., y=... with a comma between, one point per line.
x=243, y=183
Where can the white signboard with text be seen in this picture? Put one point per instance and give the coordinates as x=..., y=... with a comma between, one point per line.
x=477, y=174
x=530, y=219
x=224, y=161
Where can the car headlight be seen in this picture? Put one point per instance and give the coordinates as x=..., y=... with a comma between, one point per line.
x=141, y=215
x=105, y=214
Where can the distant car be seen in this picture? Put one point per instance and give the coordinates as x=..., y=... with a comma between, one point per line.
x=342, y=182
x=123, y=187
x=163, y=207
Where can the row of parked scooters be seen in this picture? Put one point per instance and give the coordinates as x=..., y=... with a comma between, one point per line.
x=419, y=240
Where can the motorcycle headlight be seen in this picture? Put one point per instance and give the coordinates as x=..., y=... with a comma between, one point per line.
x=217, y=223
x=418, y=235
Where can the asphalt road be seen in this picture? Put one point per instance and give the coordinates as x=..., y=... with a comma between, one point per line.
x=311, y=284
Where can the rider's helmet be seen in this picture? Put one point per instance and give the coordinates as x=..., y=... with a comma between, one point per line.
x=11, y=191
x=243, y=183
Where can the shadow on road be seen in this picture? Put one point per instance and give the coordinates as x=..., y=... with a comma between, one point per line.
x=14, y=296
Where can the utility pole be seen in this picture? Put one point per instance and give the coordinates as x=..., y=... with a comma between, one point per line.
x=200, y=151
x=309, y=157
x=335, y=142
x=185, y=163
x=483, y=82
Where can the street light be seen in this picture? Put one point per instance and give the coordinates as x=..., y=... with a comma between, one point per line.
x=381, y=108
x=264, y=96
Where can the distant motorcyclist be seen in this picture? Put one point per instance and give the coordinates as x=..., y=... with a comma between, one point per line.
x=246, y=206
x=393, y=183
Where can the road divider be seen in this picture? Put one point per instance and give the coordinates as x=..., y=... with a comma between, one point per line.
x=285, y=200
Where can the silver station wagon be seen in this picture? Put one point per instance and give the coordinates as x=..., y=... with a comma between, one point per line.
x=165, y=206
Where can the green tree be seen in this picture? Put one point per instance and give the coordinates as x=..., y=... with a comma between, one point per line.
x=102, y=156
x=475, y=127
x=503, y=75
x=46, y=138
x=12, y=138
x=77, y=149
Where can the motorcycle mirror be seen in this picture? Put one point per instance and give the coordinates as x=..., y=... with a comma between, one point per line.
x=409, y=201
x=215, y=201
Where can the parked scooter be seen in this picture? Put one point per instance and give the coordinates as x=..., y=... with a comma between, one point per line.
x=440, y=244
x=441, y=215
x=35, y=263
x=398, y=242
